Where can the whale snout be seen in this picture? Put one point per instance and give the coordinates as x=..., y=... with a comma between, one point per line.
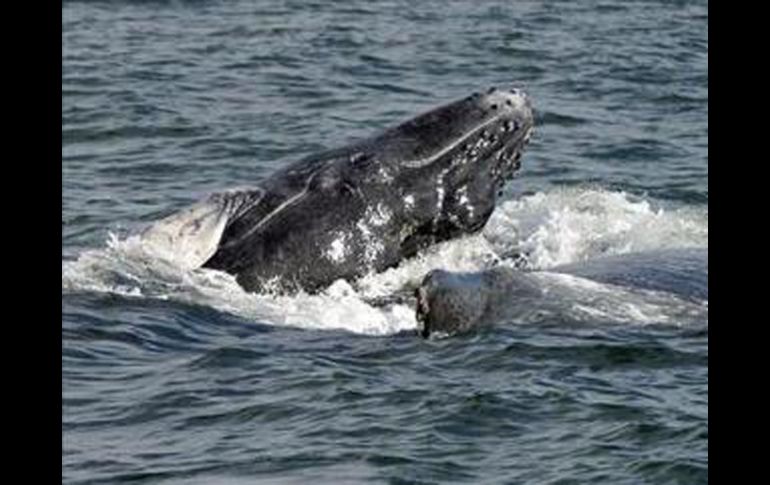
x=508, y=100
x=512, y=107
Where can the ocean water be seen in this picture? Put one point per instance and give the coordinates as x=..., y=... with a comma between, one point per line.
x=177, y=376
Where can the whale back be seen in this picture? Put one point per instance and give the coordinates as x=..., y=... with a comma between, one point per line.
x=683, y=272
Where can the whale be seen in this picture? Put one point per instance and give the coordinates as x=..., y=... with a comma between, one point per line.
x=361, y=208
x=449, y=303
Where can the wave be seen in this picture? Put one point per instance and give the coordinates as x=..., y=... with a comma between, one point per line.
x=536, y=232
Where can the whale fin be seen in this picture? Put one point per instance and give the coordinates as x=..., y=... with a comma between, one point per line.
x=191, y=236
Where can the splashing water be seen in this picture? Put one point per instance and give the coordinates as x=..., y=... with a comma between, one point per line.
x=573, y=224
x=545, y=229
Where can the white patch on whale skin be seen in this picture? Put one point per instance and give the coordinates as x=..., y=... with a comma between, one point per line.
x=386, y=175
x=440, y=193
x=465, y=201
x=372, y=246
x=440, y=190
x=379, y=216
x=409, y=202
x=338, y=249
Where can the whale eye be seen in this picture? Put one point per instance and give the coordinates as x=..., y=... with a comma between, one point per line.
x=357, y=158
x=494, y=107
x=347, y=188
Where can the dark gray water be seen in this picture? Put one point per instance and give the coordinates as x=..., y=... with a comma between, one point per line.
x=174, y=376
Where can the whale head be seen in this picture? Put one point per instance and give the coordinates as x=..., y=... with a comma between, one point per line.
x=450, y=163
x=370, y=204
x=448, y=303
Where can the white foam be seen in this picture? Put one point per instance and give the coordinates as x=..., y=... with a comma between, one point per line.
x=465, y=254
x=575, y=224
x=126, y=268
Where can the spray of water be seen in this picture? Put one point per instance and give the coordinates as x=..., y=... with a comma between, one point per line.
x=541, y=230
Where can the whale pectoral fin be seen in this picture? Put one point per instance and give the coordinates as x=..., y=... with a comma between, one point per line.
x=190, y=237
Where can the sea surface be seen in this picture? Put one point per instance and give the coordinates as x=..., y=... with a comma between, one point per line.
x=177, y=376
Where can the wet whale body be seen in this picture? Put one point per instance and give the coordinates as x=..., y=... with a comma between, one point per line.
x=364, y=207
x=453, y=302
